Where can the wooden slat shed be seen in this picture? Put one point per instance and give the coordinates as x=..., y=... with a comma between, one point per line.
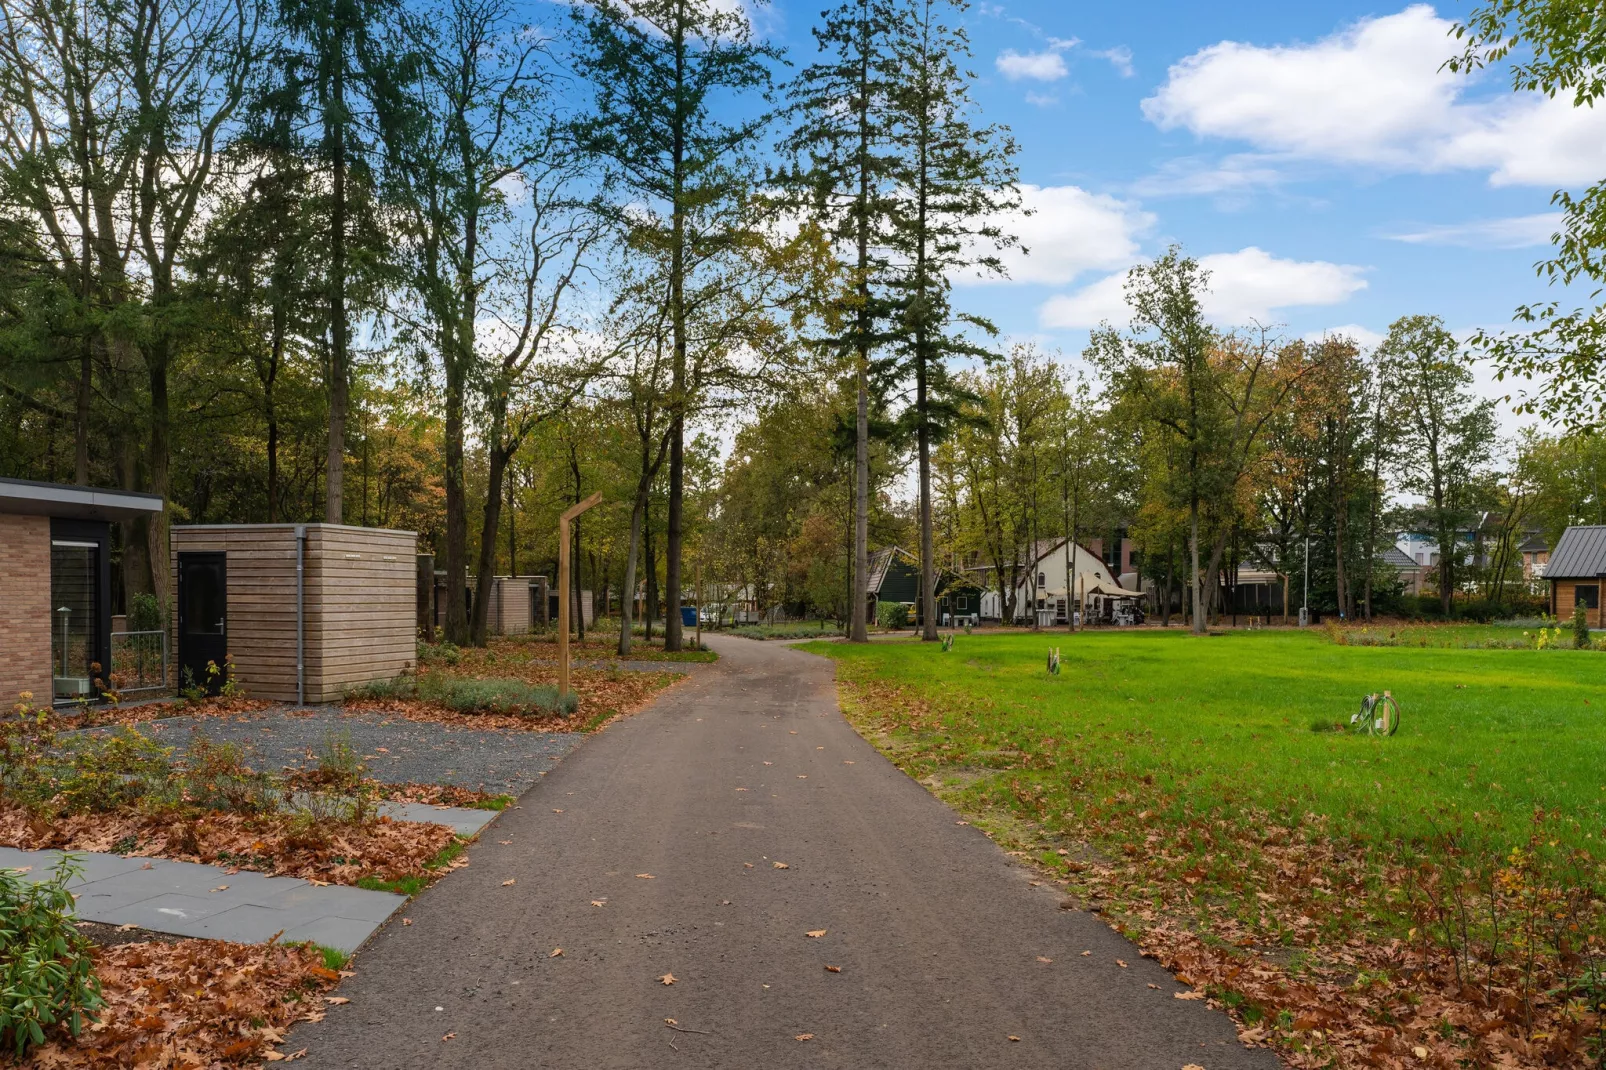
x=354, y=621
x=1576, y=572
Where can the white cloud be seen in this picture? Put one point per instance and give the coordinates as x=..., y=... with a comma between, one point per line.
x=1376, y=94
x=1250, y=284
x=1515, y=232
x=1120, y=58
x=1070, y=231
x=1195, y=176
x=1045, y=66
x=1364, y=337
x=1042, y=100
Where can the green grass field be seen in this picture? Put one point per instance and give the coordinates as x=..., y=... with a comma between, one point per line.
x=1161, y=720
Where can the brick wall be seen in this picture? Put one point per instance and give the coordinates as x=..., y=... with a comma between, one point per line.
x=24, y=608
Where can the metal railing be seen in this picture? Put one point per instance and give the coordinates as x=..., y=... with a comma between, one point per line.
x=139, y=662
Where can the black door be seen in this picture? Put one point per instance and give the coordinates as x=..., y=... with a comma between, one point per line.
x=203, y=620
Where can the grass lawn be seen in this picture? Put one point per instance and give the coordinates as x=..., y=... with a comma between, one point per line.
x=1212, y=783
x=1232, y=718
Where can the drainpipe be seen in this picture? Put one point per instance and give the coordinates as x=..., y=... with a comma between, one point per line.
x=301, y=617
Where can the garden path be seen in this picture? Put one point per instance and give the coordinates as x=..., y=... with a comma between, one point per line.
x=734, y=878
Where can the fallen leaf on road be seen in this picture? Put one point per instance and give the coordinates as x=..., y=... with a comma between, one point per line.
x=407, y=921
x=449, y=1036
x=645, y=876
x=833, y=969
x=1188, y=995
x=670, y=1021
x=1044, y=958
x=819, y=748
x=336, y=1001
x=509, y=882
x=1013, y=1037
x=667, y=979
x=1120, y=963
x=382, y=750
x=557, y=952
x=221, y=888
x=504, y=843
x=769, y=763
x=793, y=733
x=816, y=933
x=557, y=811
x=749, y=865
x=147, y=865
x=741, y=789
x=803, y=1036
x=311, y=881
x=961, y=822
x=802, y=776
x=598, y=902
x=1156, y=987
x=1086, y=953
x=1191, y=1066
x=780, y=865
x=280, y=1057
x=846, y=762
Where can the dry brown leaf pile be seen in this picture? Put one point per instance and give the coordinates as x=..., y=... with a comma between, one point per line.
x=192, y=1004
x=272, y=844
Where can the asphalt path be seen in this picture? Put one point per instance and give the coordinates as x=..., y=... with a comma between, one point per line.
x=706, y=839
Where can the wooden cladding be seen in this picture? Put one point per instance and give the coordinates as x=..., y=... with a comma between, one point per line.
x=359, y=604
x=1565, y=595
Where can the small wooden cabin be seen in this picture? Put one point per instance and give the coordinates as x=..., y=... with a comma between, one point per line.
x=305, y=610
x=1576, y=573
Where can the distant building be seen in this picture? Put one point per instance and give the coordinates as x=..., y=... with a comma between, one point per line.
x=1576, y=572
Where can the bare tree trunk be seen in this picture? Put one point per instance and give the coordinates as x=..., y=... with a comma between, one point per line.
x=928, y=569
x=1193, y=573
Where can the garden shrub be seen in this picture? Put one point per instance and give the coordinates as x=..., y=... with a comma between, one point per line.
x=893, y=616
x=47, y=980
x=1580, y=628
x=444, y=652
x=470, y=696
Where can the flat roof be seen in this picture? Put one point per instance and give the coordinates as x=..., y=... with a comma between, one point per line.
x=72, y=502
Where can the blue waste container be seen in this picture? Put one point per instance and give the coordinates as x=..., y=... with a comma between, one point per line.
x=688, y=616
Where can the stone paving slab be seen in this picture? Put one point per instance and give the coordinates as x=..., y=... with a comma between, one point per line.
x=465, y=821
x=190, y=899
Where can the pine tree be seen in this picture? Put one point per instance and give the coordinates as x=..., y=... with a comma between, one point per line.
x=954, y=180
x=845, y=151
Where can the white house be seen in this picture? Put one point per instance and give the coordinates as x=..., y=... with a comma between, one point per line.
x=1056, y=581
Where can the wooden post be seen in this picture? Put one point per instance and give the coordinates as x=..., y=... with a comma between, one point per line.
x=563, y=588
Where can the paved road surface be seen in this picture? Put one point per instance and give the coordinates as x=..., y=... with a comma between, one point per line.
x=937, y=934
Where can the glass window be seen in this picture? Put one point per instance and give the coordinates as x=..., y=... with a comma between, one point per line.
x=1587, y=595
x=74, y=628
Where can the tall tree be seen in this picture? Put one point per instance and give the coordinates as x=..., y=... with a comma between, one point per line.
x=845, y=141
x=481, y=118
x=1446, y=434
x=1558, y=48
x=663, y=71
x=953, y=181
x=335, y=67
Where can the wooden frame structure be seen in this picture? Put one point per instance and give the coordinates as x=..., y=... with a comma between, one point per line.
x=564, y=523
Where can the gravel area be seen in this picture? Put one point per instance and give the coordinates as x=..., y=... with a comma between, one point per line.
x=395, y=749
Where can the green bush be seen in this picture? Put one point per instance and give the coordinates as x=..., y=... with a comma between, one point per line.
x=1580, y=628
x=144, y=613
x=471, y=696
x=46, y=977
x=893, y=616
x=444, y=652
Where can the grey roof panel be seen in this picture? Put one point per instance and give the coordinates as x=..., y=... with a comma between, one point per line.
x=1580, y=554
x=74, y=502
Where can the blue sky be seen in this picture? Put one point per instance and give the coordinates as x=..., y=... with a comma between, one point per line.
x=1314, y=154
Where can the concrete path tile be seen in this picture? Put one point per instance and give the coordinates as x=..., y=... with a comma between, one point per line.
x=188, y=899
x=465, y=821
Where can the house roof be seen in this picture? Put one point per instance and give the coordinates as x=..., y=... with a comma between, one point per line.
x=881, y=560
x=1581, y=554
x=71, y=502
x=1534, y=543
x=1398, y=558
